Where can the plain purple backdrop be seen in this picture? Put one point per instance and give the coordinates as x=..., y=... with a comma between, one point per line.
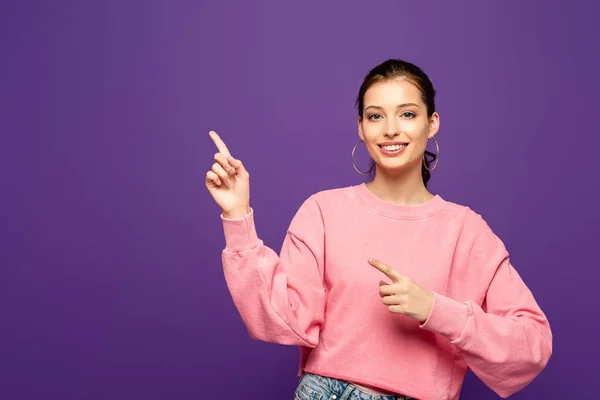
x=111, y=285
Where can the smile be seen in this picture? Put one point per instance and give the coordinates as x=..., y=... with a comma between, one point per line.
x=393, y=149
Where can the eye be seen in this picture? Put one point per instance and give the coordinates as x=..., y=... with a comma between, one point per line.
x=370, y=117
x=408, y=114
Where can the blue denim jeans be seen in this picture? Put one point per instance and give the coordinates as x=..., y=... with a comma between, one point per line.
x=318, y=387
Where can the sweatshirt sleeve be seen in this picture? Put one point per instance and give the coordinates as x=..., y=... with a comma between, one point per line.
x=507, y=341
x=280, y=298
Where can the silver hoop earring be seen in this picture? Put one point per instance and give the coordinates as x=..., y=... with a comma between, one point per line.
x=437, y=156
x=354, y=163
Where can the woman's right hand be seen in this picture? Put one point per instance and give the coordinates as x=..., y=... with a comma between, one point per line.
x=228, y=182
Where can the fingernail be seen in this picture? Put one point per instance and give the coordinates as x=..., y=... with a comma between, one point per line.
x=370, y=259
x=228, y=182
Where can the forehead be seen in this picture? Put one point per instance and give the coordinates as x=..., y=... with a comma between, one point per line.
x=393, y=92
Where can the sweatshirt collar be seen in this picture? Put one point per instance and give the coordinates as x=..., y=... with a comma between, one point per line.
x=398, y=211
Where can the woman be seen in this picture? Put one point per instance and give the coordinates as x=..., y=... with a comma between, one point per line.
x=452, y=300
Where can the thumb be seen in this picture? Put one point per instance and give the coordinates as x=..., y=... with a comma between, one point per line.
x=238, y=165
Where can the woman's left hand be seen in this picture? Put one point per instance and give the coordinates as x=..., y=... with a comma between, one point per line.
x=403, y=295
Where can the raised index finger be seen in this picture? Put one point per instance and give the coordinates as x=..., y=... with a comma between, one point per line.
x=390, y=272
x=220, y=144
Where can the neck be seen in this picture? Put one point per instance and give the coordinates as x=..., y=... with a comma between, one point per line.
x=404, y=187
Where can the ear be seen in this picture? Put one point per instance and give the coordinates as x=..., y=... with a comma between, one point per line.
x=434, y=124
x=361, y=135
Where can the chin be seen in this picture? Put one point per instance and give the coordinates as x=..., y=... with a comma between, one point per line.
x=393, y=167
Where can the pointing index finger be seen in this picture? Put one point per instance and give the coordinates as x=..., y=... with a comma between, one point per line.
x=219, y=143
x=390, y=272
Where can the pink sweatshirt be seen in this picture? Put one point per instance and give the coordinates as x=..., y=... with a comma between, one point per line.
x=321, y=294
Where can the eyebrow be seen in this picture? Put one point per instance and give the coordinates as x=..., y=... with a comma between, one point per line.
x=400, y=106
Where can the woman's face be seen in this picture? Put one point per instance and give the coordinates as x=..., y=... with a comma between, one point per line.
x=395, y=113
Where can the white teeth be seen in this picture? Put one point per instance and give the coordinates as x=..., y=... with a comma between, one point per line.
x=395, y=147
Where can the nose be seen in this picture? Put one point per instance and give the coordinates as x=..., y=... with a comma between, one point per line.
x=393, y=128
x=392, y=132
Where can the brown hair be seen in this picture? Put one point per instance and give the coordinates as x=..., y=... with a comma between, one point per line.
x=399, y=69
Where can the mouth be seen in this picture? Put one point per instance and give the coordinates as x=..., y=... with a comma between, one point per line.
x=392, y=147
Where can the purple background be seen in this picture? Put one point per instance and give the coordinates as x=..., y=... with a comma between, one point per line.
x=110, y=252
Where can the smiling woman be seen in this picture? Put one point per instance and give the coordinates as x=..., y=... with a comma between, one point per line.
x=399, y=97
x=452, y=300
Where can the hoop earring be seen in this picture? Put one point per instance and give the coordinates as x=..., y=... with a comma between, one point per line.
x=354, y=164
x=437, y=156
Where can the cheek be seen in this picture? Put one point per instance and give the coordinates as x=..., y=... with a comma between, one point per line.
x=416, y=129
x=372, y=130
x=418, y=135
x=421, y=144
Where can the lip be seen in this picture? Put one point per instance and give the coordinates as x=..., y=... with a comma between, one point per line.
x=392, y=153
x=390, y=143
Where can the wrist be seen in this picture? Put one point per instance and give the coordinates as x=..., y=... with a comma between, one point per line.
x=237, y=213
x=429, y=307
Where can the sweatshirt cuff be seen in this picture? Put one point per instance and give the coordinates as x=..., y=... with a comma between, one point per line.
x=448, y=317
x=240, y=233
